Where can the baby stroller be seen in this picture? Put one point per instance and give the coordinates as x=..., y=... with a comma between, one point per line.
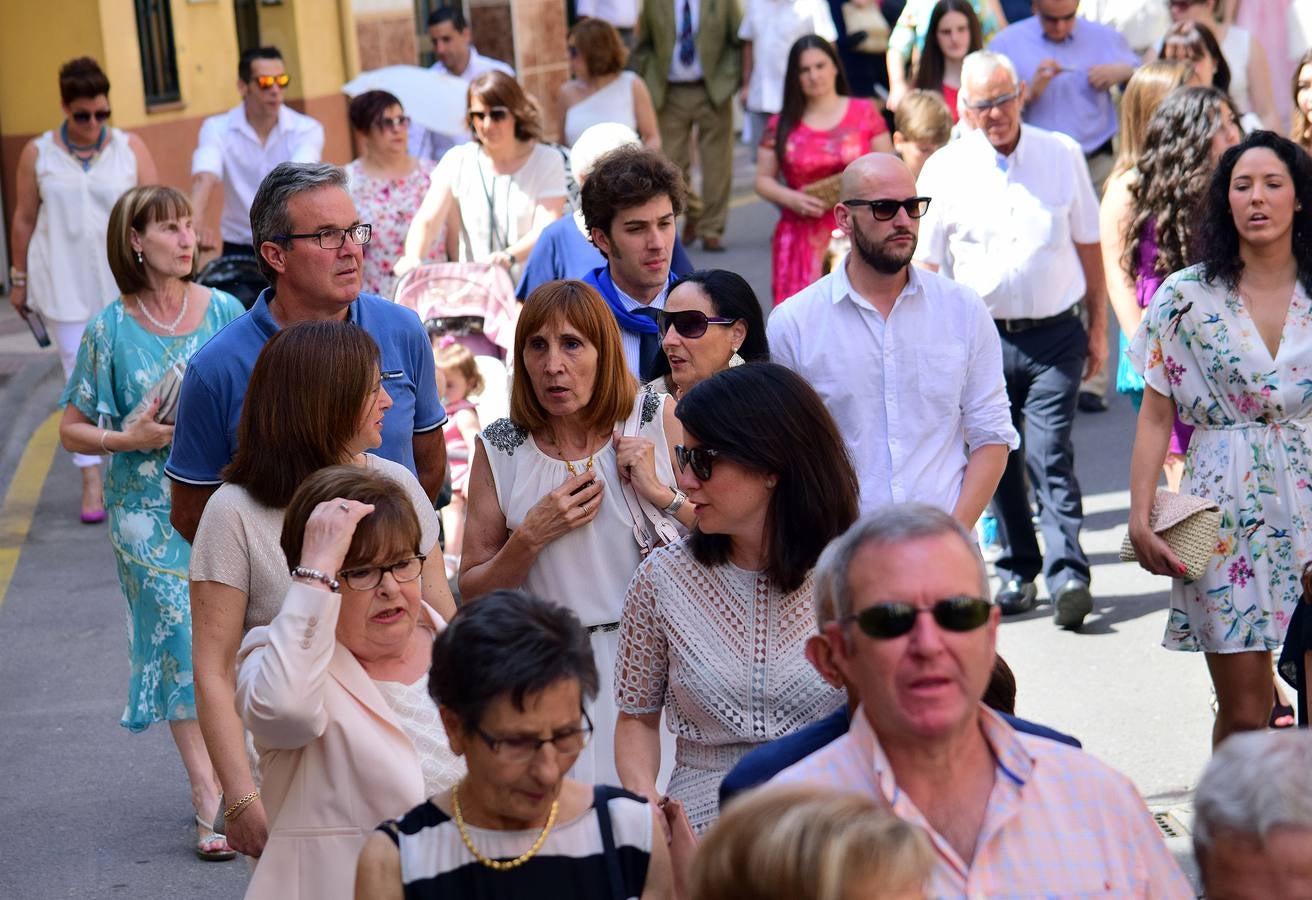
x=238, y=274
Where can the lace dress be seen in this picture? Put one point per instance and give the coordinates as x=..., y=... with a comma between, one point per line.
x=721, y=651
x=417, y=715
x=799, y=242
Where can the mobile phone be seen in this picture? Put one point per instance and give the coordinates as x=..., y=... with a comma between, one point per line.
x=37, y=326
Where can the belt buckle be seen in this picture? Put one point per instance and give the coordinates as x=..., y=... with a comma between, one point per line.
x=1014, y=326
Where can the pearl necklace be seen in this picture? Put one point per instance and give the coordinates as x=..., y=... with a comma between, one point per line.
x=171, y=327
x=496, y=864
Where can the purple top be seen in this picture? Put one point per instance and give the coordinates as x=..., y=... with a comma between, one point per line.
x=1146, y=283
x=1069, y=104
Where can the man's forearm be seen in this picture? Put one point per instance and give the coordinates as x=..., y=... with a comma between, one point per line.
x=984, y=470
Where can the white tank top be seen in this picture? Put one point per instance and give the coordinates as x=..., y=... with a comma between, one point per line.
x=613, y=103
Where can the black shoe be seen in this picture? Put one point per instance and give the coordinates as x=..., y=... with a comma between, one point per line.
x=1090, y=402
x=1016, y=597
x=1071, y=604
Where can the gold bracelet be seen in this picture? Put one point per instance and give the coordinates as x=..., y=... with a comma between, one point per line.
x=239, y=807
x=104, y=433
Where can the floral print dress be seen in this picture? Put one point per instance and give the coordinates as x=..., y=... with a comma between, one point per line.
x=390, y=204
x=117, y=363
x=1250, y=453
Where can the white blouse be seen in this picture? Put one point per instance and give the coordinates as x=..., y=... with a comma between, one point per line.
x=417, y=715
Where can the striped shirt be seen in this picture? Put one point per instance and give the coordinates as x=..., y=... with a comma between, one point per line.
x=573, y=862
x=1058, y=823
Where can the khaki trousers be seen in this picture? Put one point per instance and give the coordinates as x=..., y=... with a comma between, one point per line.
x=687, y=106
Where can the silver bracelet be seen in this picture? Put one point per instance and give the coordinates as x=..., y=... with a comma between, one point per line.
x=677, y=503
x=315, y=575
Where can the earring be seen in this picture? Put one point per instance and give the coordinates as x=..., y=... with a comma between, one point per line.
x=736, y=360
x=140, y=259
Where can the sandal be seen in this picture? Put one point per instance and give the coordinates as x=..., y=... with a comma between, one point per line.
x=212, y=846
x=1282, y=716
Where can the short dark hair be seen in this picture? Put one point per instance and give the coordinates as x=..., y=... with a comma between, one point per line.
x=626, y=177
x=251, y=54
x=392, y=528
x=81, y=79
x=732, y=298
x=508, y=642
x=367, y=109
x=766, y=417
x=600, y=46
x=452, y=14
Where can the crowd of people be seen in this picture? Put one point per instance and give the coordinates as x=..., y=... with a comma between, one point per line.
x=655, y=628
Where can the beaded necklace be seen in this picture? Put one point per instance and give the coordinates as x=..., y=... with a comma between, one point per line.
x=76, y=150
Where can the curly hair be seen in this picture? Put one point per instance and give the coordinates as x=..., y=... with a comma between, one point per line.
x=933, y=64
x=1302, y=133
x=626, y=177
x=1218, y=238
x=1173, y=173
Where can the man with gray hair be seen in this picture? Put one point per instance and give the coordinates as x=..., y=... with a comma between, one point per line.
x=1015, y=217
x=1009, y=814
x=310, y=242
x=1253, y=817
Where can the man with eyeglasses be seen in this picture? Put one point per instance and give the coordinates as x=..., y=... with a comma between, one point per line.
x=908, y=362
x=1015, y=218
x=1009, y=814
x=311, y=249
x=239, y=147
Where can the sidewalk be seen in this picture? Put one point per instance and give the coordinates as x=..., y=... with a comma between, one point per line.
x=30, y=380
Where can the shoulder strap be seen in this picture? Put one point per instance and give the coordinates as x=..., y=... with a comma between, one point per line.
x=601, y=803
x=664, y=530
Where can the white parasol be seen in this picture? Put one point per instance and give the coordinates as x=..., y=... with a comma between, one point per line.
x=432, y=99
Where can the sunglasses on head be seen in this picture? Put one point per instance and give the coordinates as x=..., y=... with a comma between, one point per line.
x=264, y=82
x=82, y=117
x=388, y=123
x=690, y=323
x=885, y=621
x=496, y=114
x=699, y=459
x=884, y=210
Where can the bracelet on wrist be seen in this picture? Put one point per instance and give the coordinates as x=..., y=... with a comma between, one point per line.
x=239, y=807
x=17, y=277
x=104, y=433
x=677, y=503
x=315, y=575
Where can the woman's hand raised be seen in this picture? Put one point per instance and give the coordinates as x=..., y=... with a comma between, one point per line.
x=328, y=533
x=572, y=505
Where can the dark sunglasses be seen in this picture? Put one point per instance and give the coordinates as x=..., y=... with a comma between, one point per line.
x=700, y=459
x=690, y=323
x=1056, y=20
x=264, y=82
x=496, y=114
x=885, y=621
x=884, y=210
x=387, y=123
x=82, y=117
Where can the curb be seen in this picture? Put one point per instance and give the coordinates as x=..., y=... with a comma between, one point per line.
x=27, y=400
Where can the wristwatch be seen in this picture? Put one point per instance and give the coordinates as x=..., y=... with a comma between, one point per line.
x=315, y=575
x=677, y=503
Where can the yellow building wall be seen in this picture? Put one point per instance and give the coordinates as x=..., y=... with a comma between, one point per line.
x=35, y=40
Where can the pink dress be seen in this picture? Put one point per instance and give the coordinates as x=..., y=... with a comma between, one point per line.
x=389, y=205
x=457, y=451
x=799, y=242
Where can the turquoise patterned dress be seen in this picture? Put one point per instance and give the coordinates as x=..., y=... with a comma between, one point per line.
x=117, y=363
x=1251, y=454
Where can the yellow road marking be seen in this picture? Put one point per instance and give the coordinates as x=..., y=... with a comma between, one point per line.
x=24, y=492
x=743, y=200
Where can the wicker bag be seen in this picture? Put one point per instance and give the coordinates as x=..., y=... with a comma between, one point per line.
x=825, y=190
x=1190, y=525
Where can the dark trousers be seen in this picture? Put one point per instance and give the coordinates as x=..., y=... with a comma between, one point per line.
x=1042, y=368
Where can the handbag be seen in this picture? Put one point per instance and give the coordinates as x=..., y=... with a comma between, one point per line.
x=1190, y=525
x=169, y=390
x=651, y=527
x=826, y=190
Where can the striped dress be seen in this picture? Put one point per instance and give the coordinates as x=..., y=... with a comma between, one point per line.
x=601, y=854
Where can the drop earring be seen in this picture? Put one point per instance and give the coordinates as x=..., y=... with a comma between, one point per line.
x=140, y=259
x=736, y=360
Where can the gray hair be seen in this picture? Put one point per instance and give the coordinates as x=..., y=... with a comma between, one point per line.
x=269, y=216
x=1255, y=781
x=980, y=66
x=889, y=526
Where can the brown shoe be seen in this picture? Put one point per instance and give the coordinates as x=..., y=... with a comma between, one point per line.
x=712, y=244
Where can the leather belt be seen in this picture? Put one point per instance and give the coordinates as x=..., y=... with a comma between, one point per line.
x=1014, y=325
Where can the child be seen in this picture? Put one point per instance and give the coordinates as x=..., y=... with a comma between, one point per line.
x=922, y=124
x=458, y=379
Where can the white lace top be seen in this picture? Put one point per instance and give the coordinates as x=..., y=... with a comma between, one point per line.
x=721, y=650
x=417, y=715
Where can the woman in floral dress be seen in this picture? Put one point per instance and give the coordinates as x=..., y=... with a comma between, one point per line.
x=817, y=133
x=160, y=320
x=1228, y=343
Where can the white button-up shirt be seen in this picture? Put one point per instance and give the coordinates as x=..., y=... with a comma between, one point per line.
x=230, y=149
x=1007, y=226
x=913, y=394
x=620, y=13
x=772, y=26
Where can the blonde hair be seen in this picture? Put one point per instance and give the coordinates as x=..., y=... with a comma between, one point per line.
x=803, y=843
x=451, y=354
x=1145, y=90
x=923, y=116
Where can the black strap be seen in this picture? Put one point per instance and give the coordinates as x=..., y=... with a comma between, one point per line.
x=601, y=803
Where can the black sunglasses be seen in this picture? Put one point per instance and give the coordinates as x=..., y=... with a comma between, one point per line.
x=83, y=117
x=690, y=323
x=885, y=621
x=884, y=210
x=496, y=114
x=700, y=459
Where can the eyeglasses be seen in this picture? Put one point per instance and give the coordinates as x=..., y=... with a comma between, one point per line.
x=885, y=621
x=519, y=750
x=699, y=458
x=884, y=210
x=369, y=577
x=388, y=123
x=496, y=114
x=333, y=238
x=690, y=323
x=981, y=106
x=82, y=117
x=264, y=82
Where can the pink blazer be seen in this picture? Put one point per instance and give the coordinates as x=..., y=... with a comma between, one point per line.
x=334, y=763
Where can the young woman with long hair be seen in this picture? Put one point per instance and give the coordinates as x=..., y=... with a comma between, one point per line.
x=954, y=32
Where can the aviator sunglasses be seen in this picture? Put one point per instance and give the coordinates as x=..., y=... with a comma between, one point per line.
x=83, y=116
x=264, y=82
x=884, y=210
x=699, y=459
x=885, y=621
x=690, y=323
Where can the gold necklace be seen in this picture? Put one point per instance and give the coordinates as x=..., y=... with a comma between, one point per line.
x=569, y=465
x=496, y=864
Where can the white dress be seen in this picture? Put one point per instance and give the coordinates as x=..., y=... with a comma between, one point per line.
x=1236, y=48
x=587, y=570
x=68, y=276
x=612, y=103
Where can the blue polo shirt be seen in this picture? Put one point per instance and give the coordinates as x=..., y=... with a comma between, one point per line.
x=205, y=435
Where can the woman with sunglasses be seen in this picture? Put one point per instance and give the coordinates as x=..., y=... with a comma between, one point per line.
x=387, y=185
x=1250, y=76
x=805, y=148
x=506, y=184
x=714, y=626
x=239, y=575
x=601, y=90
x=711, y=321
x=68, y=180
x=334, y=687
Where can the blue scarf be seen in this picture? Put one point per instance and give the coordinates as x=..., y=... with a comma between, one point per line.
x=605, y=285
